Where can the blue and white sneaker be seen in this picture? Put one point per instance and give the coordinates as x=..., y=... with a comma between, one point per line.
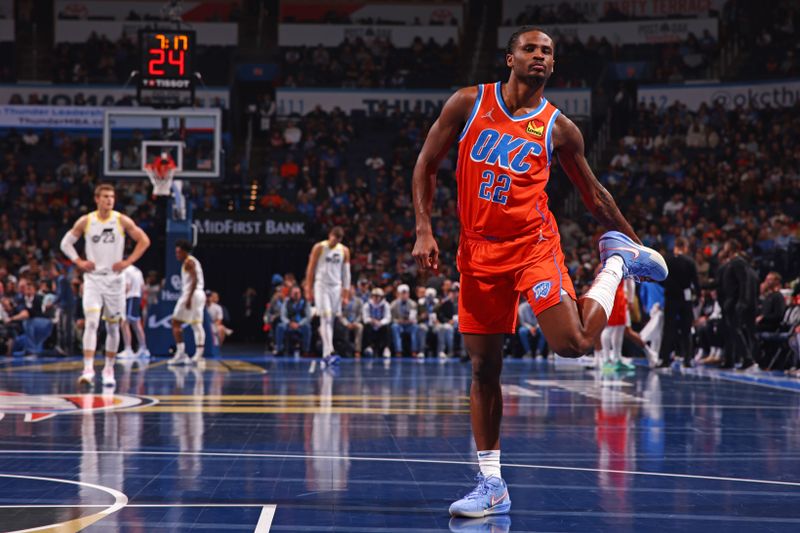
x=488, y=498
x=640, y=261
x=332, y=359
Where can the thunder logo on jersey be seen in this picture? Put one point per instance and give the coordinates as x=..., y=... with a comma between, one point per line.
x=505, y=151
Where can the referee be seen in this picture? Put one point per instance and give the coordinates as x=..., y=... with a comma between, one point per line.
x=680, y=289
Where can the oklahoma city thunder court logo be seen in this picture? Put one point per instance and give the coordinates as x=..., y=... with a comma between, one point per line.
x=37, y=407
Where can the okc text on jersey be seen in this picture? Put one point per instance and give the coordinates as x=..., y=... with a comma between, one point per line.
x=505, y=151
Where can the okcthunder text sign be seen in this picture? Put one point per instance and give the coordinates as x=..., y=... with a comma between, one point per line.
x=773, y=94
x=250, y=228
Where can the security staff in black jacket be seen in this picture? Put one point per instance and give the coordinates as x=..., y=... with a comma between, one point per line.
x=738, y=294
x=681, y=288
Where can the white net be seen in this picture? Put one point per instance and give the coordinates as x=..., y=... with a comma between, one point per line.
x=161, y=179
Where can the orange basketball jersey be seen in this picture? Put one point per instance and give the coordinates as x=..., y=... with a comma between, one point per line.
x=503, y=168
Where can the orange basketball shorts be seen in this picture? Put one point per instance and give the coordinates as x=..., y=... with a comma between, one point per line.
x=495, y=273
x=619, y=313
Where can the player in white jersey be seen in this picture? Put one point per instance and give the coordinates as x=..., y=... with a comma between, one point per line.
x=327, y=275
x=104, y=233
x=134, y=283
x=216, y=314
x=189, y=307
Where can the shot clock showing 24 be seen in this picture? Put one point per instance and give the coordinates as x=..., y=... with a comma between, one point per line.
x=167, y=74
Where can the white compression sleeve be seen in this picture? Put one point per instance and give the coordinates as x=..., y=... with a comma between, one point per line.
x=199, y=339
x=617, y=338
x=90, y=331
x=112, y=336
x=68, y=246
x=604, y=288
x=606, y=350
x=346, y=276
x=326, y=333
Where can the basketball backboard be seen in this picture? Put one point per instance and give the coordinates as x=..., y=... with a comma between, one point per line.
x=134, y=137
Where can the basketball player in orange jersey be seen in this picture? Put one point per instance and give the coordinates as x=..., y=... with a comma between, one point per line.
x=508, y=134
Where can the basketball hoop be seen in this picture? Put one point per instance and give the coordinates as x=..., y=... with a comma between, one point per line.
x=161, y=172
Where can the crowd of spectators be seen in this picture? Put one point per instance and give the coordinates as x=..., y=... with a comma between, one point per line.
x=597, y=60
x=568, y=13
x=371, y=62
x=377, y=320
x=334, y=16
x=170, y=11
x=709, y=175
x=767, y=41
x=46, y=182
x=712, y=175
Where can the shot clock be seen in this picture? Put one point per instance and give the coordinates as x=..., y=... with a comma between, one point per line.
x=166, y=72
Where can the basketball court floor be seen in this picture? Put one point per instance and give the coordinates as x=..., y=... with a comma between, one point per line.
x=258, y=444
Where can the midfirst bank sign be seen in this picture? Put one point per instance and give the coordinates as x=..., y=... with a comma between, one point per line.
x=238, y=227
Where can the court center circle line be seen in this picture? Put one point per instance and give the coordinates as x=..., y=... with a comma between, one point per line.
x=401, y=460
x=120, y=500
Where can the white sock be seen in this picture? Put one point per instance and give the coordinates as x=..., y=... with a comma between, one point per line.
x=607, y=344
x=604, y=288
x=198, y=353
x=489, y=462
x=617, y=337
x=88, y=365
x=180, y=348
x=140, y=338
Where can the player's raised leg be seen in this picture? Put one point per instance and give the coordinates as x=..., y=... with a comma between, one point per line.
x=572, y=329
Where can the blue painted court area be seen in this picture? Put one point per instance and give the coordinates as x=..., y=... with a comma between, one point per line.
x=257, y=444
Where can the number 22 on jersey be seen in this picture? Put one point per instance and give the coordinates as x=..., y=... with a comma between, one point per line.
x=494, y=188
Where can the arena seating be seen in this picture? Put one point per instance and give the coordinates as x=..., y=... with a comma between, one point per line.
x=377, y=64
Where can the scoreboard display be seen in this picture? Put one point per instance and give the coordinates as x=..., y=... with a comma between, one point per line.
x=166, y=72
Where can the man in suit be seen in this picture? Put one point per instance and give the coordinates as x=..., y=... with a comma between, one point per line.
x=680, y=290
x=738, y=294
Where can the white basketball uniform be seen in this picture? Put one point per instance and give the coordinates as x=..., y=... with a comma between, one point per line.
x=134, y=281
x=198, y=297
x=103, y=288
x=328, y=280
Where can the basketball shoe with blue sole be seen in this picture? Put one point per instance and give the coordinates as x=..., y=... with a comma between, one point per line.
x=490, y=497
x=489, y=524
x=330, y=360
x=640, y=261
